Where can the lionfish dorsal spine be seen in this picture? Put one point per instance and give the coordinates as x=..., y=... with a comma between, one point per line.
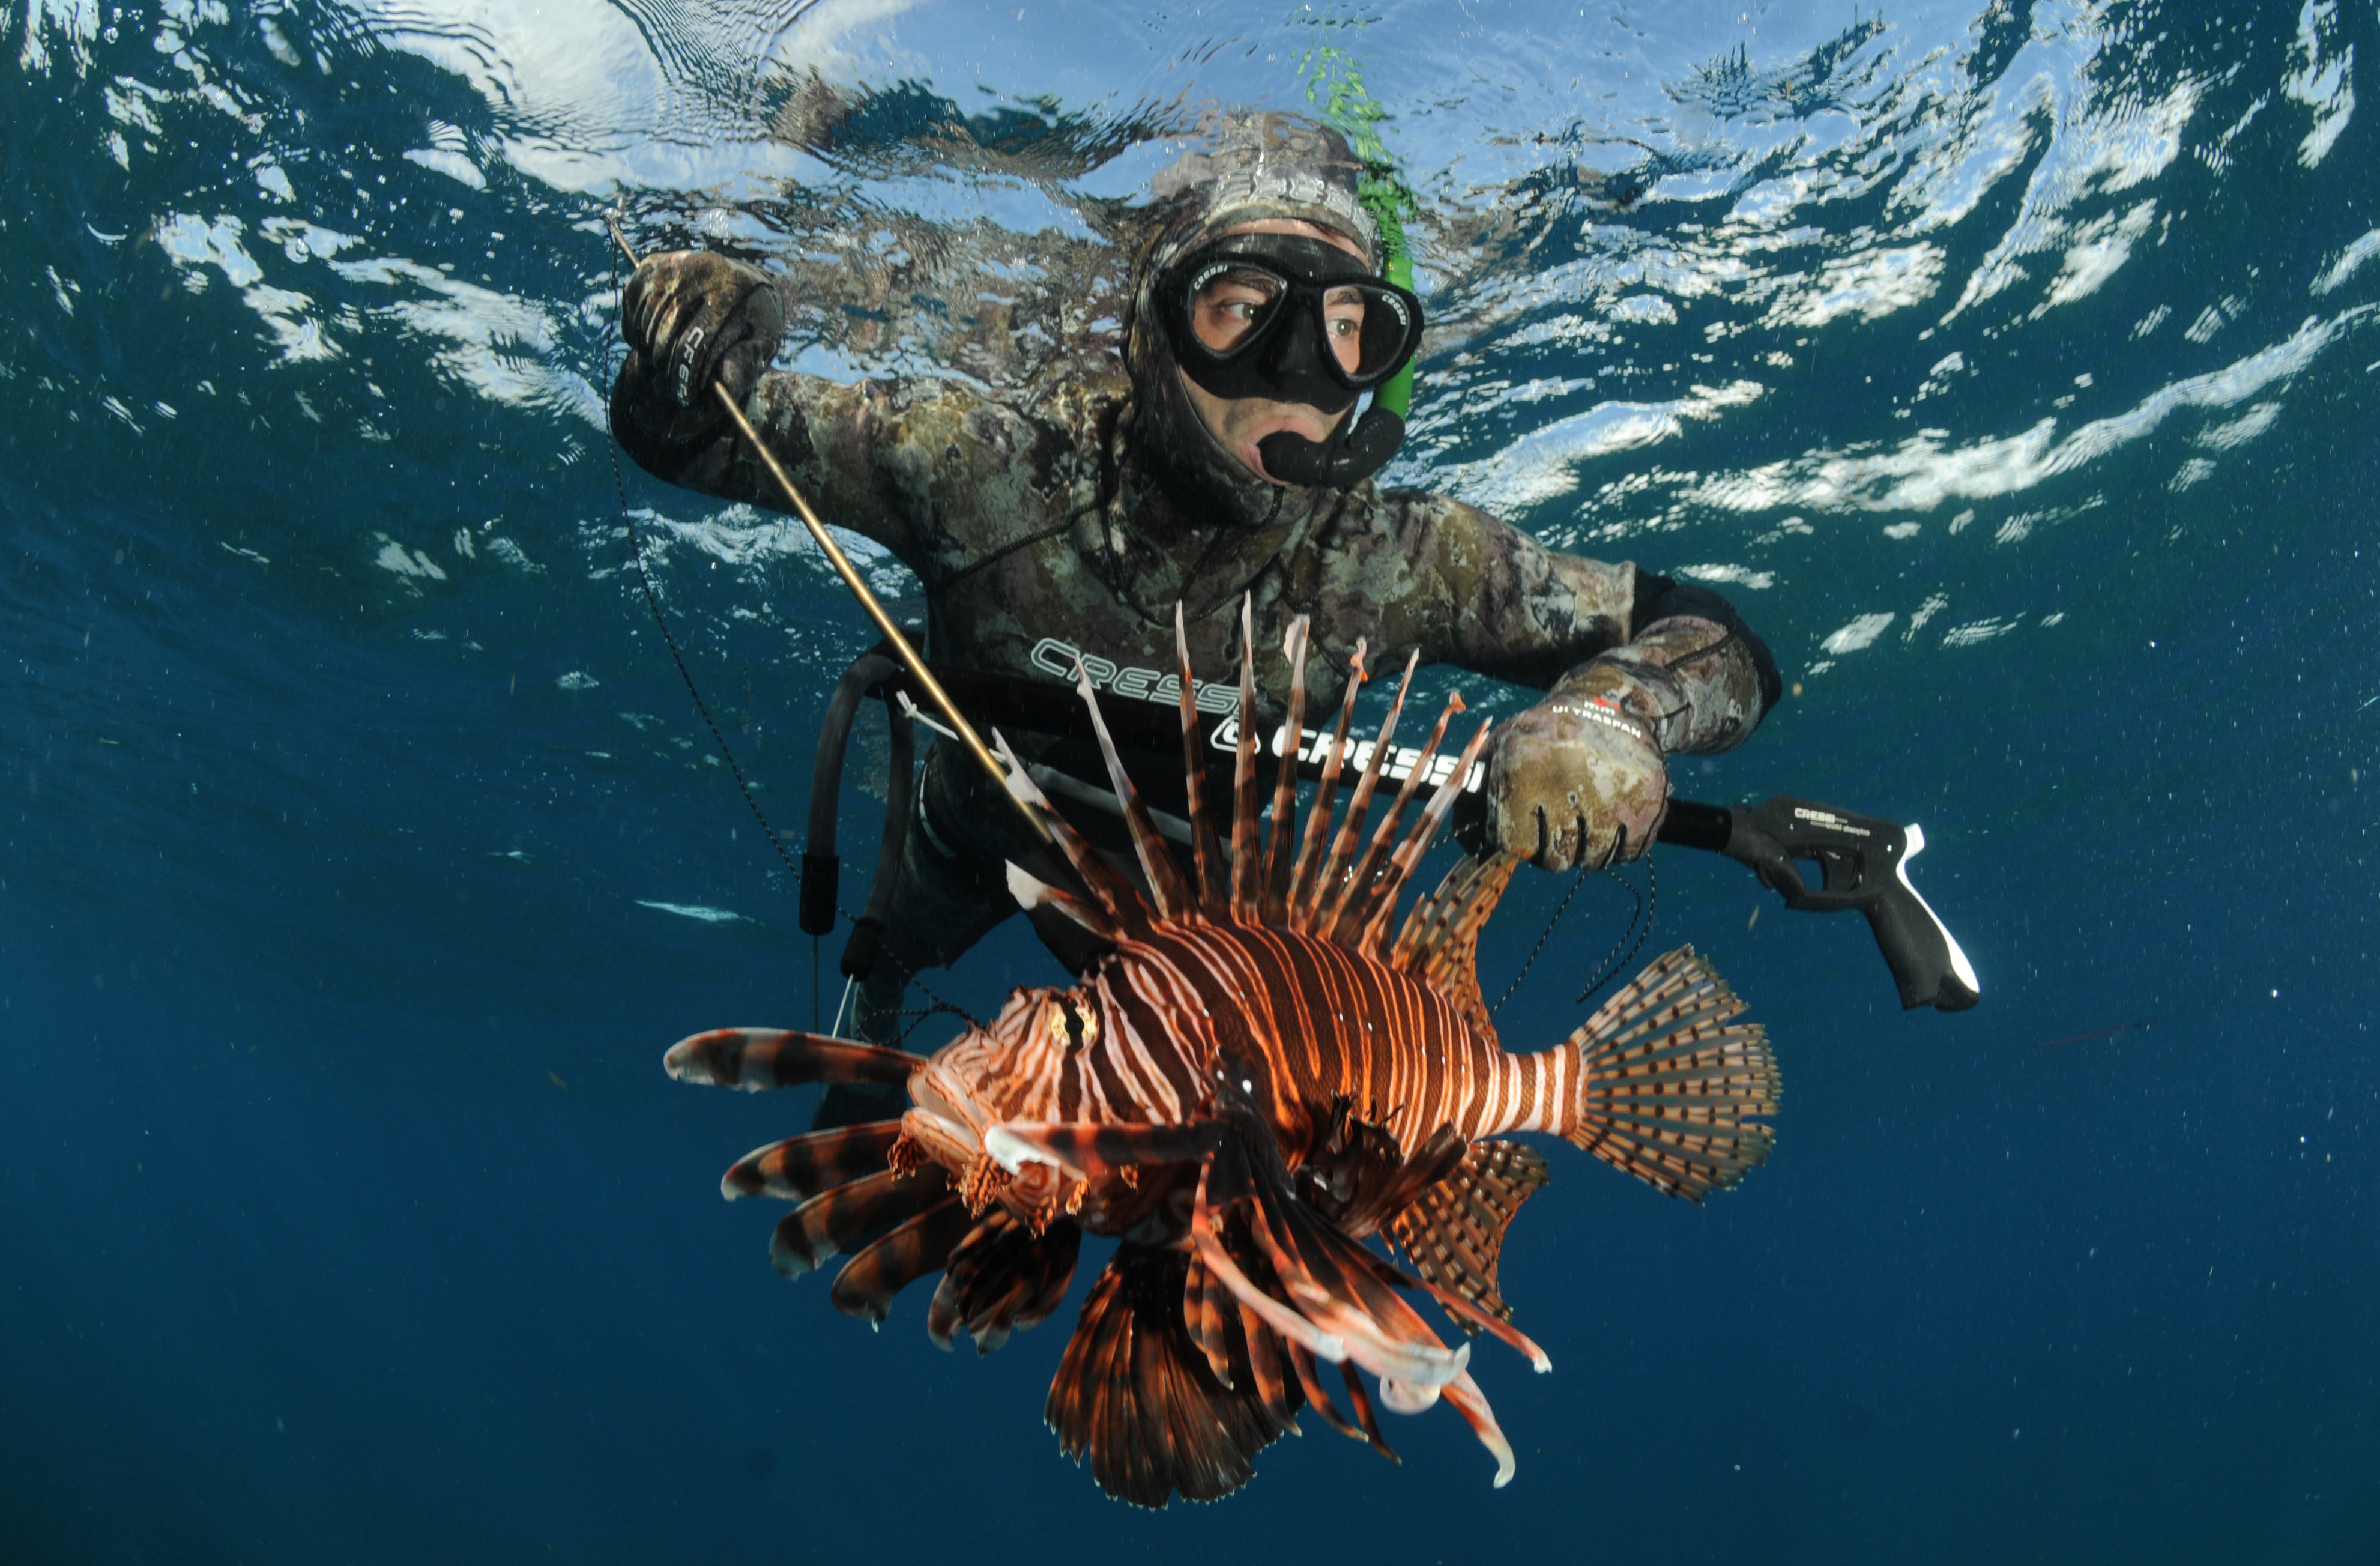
x=1206, y=849
x=1425, y=831
x=1342, y=845
x=1325, y=795
x=1277, y=861
x=1357, y=898
x=1173, y=900
x=1109, y=891
x=1244, y=856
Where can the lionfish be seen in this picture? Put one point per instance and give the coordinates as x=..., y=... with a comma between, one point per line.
x=1250, y=1080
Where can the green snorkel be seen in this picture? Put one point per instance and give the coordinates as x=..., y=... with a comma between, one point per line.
x=1365, y=446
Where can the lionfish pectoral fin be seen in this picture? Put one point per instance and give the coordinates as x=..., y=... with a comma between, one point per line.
x=1669, y=1080
x=1135, y=1395
x=1454, y=1232
x=837, y=1220
x=800, y=1167
x=757, y=1059
x=914, y=1247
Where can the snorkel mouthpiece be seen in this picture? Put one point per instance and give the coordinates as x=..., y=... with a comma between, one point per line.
x=1340, y=462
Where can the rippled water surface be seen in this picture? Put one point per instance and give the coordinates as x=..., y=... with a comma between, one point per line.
x=2012, y=368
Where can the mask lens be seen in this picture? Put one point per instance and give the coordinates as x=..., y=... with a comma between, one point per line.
x=1230, y=303
x=1384, y=336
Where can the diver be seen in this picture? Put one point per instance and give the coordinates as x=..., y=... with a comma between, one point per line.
x=1225, y=456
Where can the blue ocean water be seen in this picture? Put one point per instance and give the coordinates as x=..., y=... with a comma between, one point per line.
x=2012, y=368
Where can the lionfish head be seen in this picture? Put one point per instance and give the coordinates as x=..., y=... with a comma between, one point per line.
x=1007, y=1071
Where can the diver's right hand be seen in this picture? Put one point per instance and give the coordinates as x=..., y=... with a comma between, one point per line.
x=692, y=318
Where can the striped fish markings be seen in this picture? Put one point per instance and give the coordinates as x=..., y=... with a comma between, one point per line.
x=1250, y=1081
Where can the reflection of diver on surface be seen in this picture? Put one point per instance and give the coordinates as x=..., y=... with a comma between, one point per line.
x=1225, y=456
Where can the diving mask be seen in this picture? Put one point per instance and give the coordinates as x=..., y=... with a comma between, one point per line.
x=1285, y=317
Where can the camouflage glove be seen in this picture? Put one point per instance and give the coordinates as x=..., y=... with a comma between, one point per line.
x=1578, y=779
x=690, y=319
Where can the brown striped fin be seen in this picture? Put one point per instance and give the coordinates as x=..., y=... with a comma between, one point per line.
x=1326, y=796
x=1136, y=1396
x=1669, y=1080
x=1454, y=1233
x=919, y=1245
x=1439, y=942
x=800, y=1167
x=1001, y=1276
x=1156, y=860
x=1207, y=849
x=1081, y=1149
x=834, y=1221
x=1245, y=859
x=757, y=1059
x=1323, y=896
x=1277, y=861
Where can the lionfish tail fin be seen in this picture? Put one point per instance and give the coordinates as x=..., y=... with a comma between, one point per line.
x=1669, y=1082
x=1140, y=1396
x=1454, y=1233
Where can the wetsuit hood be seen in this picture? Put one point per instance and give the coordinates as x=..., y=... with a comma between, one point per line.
x=1244, y=167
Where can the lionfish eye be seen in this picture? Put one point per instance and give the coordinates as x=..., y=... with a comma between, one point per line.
x=1069, y=1021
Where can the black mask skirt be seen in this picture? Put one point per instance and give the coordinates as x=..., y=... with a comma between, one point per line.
x=1293, y=319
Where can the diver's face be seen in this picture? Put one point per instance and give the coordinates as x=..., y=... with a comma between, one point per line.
x=1222, y=314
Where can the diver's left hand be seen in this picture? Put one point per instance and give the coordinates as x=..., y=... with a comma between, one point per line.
x=1577, y=779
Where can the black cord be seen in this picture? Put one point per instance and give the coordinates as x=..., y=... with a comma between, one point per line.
x=1640, y=925
x=1545, y=935
x=1646, y=904
x=661, y=623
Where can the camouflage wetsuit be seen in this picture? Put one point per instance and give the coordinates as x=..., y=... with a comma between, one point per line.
x=1072, y=522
